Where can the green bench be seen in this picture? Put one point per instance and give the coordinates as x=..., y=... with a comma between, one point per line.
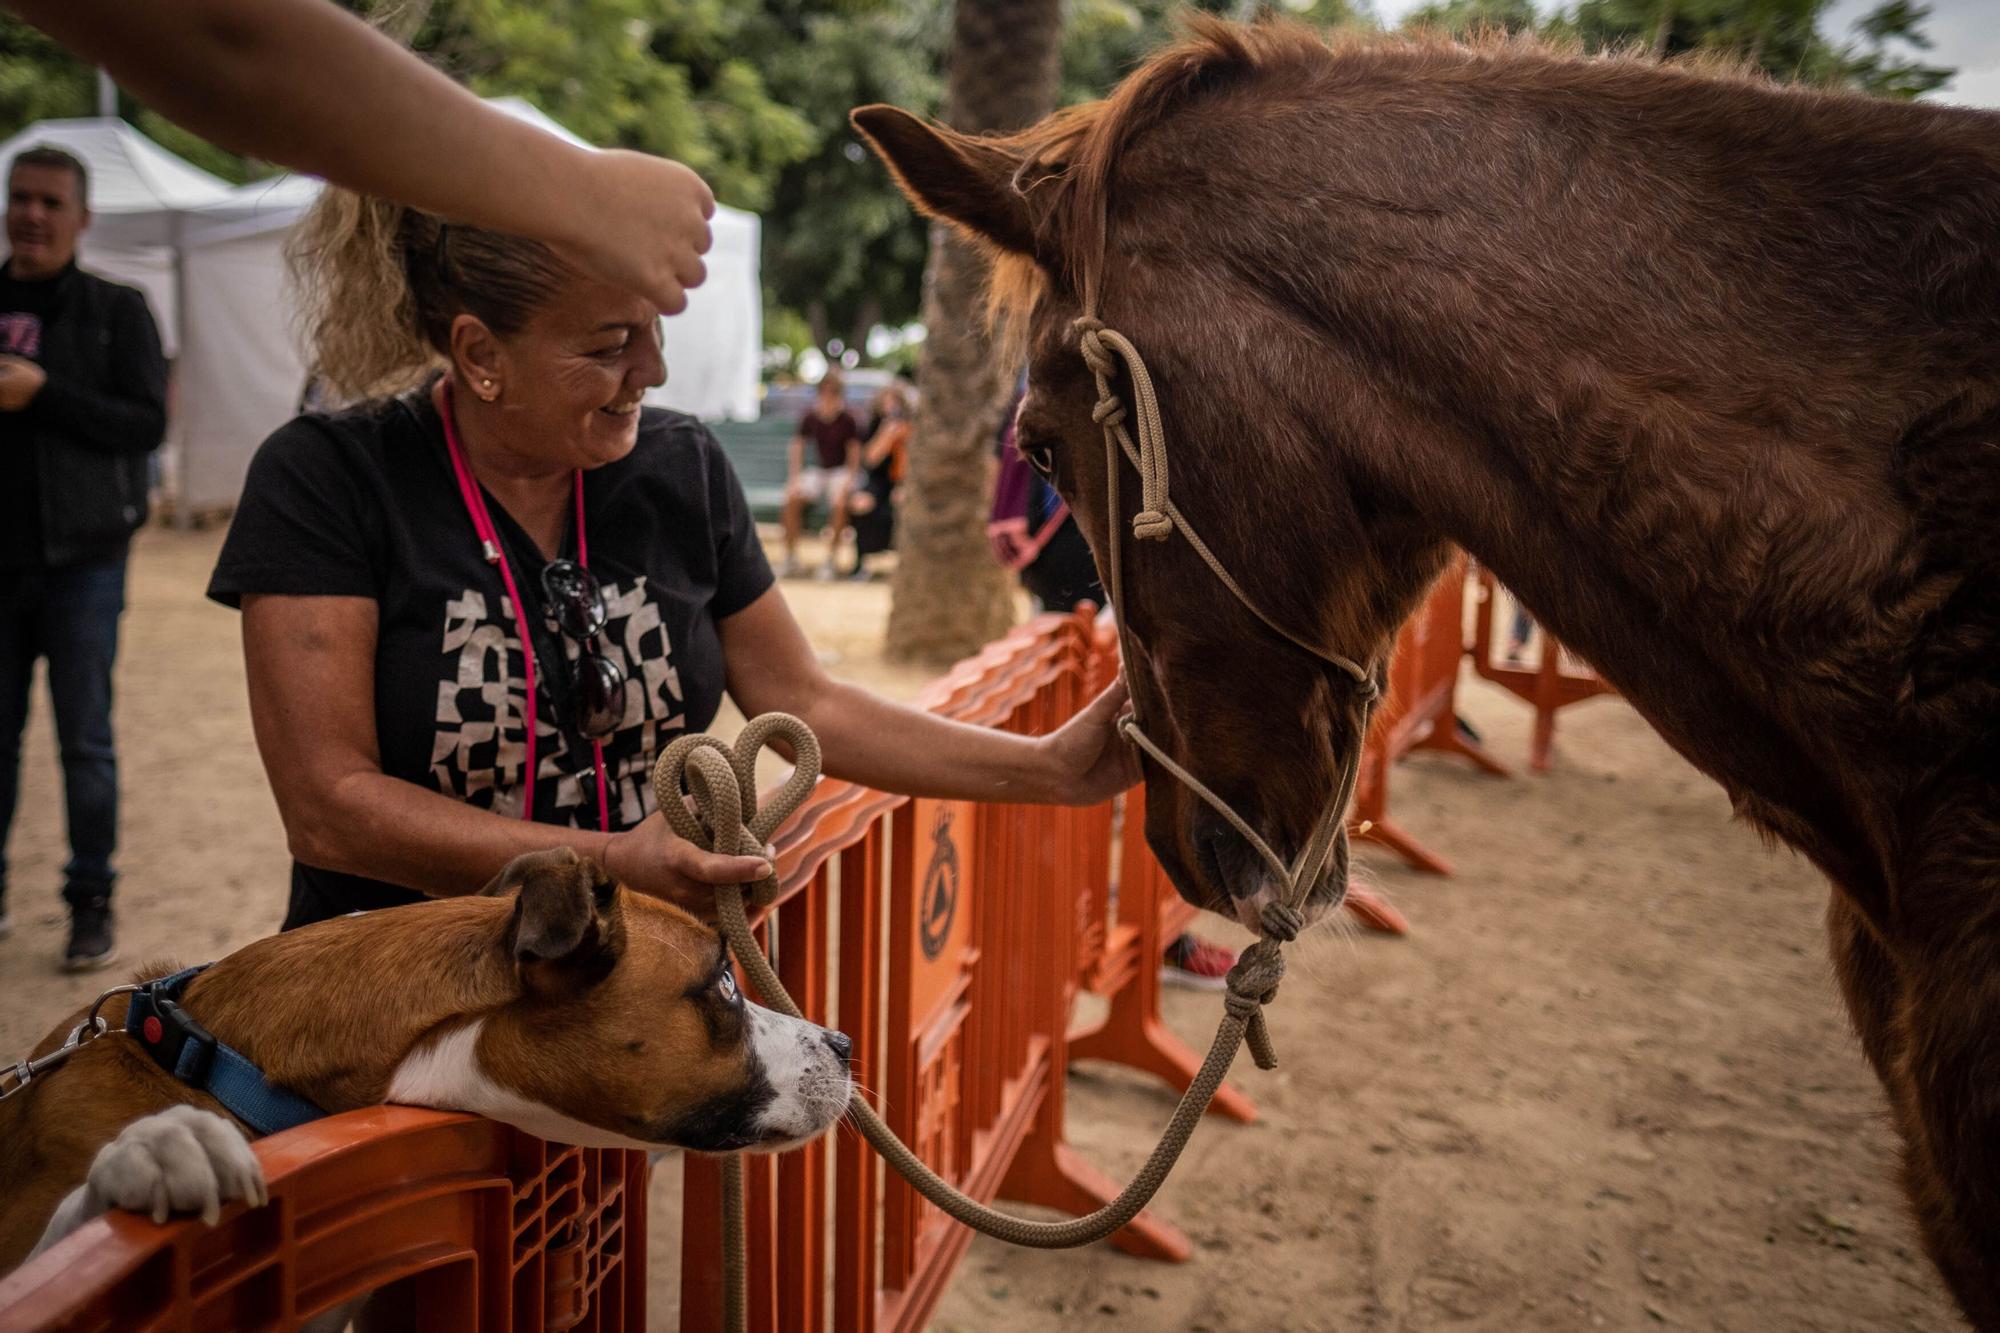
x=757, y=450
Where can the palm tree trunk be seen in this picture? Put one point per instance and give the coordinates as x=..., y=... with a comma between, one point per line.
x=950, y=596
x=1662, y=29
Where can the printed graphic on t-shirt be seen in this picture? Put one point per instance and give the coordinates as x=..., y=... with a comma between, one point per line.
x=479, y=748
x=20, y=334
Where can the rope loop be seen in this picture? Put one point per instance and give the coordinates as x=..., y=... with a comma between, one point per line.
x=1150, y=525
x=720, y=782
x=1108, y=411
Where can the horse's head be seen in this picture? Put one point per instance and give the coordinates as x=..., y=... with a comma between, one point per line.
x=1253, y=417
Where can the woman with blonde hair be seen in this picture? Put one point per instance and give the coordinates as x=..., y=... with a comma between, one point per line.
x=479, y=602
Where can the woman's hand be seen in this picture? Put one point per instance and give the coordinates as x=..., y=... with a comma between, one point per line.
x=1089, y=761
x=652, y=859
x=643, y=225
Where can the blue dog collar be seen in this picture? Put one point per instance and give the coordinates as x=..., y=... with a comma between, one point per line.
x=188, y=1051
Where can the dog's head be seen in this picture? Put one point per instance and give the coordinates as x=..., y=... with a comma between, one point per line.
x=628, y=1030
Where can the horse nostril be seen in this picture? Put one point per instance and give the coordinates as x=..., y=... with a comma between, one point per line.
x=840, y=1043
x=1224, y=850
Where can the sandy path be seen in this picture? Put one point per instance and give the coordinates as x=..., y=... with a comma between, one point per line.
x=1604, y=1084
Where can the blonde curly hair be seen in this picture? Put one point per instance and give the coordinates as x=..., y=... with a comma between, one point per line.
x=380, y=284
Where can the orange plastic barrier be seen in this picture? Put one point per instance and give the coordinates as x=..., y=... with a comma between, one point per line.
x=1419, y=712
x=949, y=939
x=488, y=1229
x=961, y=933
x=964, y=933
x=1548, y=687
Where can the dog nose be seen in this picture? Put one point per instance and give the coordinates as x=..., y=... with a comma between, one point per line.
x=841, y=1044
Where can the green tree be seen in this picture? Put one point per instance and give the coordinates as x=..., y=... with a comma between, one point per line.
x=841, y=246
x=38, y=79
x=1781, y=37
x=1876, y=64
x=1465, y=17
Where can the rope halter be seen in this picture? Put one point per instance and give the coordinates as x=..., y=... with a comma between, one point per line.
x=1255, y=977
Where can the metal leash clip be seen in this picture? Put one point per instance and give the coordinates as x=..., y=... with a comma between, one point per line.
x=93, y=1026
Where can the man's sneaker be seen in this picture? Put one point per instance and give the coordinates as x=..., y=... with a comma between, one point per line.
x=1196, y=964
x=91, y=943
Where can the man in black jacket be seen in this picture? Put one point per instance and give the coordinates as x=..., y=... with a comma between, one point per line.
x=83, y=392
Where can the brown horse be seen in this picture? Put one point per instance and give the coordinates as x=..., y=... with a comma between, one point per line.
x=1707, y=370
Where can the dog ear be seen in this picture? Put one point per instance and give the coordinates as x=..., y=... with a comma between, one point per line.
x=568, y=928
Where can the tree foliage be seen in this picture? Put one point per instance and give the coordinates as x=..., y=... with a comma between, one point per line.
x=1784, y=38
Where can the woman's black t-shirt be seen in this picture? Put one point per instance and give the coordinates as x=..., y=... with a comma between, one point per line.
x=364, y=504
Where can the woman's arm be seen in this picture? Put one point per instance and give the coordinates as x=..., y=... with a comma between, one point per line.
x=305, y=84
x=892, y=747
x=311, y=663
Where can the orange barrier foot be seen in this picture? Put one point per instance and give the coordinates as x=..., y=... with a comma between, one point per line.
x=1374, y=913
x=1061, y=1179
x=1151, y=1047
x=1393, y=836
x=1450, y=738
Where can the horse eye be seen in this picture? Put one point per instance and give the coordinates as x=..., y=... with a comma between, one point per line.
x=1042, y=460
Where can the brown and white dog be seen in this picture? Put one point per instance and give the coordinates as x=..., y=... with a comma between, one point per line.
x=556, y=1002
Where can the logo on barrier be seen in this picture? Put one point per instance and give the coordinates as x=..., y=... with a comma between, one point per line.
x=940, y=892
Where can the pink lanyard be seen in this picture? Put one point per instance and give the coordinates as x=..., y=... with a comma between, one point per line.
x=489, y=545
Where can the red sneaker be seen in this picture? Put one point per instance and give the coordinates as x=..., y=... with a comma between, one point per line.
x=1196, y=964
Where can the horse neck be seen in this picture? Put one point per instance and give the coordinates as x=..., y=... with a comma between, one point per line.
x=1660, y=351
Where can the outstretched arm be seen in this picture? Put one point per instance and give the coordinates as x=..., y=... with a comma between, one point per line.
x=305, y=84
x=893, y=747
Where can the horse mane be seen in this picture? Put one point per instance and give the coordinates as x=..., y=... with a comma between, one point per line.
x=1068, y=159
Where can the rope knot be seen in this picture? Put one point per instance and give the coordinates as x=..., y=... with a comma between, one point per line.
x=1281, y=921
x=1253, y=983
x=1254, y=980
x=1366, y=690
x=1090, y=341
x=1242, y=1008
x=1108, y=411
x=1150, y=525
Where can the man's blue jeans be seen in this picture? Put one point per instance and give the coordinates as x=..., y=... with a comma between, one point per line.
x=70, y=617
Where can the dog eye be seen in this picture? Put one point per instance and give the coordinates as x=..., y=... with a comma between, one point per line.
x=726, y=985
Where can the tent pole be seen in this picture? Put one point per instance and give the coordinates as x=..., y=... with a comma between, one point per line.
x=176, y=433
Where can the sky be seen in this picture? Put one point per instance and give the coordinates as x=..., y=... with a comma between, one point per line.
x=1964, y=34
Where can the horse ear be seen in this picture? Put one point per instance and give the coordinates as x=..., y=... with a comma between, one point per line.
x=568, y=928
x=961, y=178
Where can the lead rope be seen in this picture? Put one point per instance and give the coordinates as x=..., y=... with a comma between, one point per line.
x=721, y=784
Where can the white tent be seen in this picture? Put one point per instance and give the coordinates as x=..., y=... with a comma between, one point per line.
x=211, y=259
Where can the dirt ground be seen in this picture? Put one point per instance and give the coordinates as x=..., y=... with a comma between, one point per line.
x=1604, y=1083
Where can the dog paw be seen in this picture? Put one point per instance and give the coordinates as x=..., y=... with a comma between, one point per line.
x=181, y=1160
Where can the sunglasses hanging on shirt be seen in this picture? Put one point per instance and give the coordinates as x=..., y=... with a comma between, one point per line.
x=597, y=685
x=576, y=601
